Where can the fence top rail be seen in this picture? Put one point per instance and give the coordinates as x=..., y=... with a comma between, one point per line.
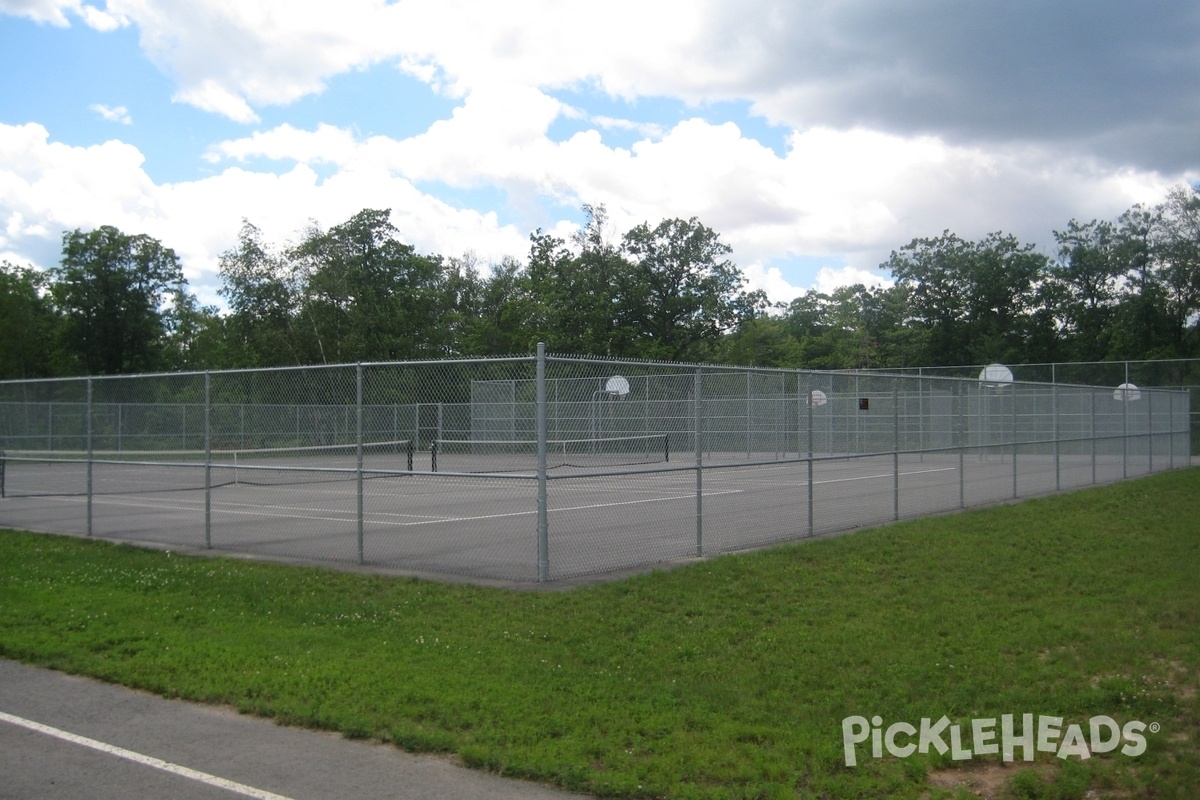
x=289, y=368
x=894, y=373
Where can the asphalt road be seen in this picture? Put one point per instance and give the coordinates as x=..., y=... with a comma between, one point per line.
x=68, y=737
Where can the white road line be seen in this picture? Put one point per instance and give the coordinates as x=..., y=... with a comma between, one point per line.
x=148, y=761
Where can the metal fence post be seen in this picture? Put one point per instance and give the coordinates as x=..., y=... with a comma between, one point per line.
x=88, y=412
x=896, y=449
x=749, y=416
x=1150, y=432
x=921, y=413
x=358, y=442
x=207, y=461
x=1015, y=387
x=1125, y=427
x=698, y=433
x=1092, y=403
x=810, y=458
x=542, y=516
x=962, y=439
x=1171, y=430
x=1054, y=416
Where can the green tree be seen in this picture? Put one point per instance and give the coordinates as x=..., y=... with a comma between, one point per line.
x=1179, y=263
x=1142, y=324
x=111, y=288
x=933, y=271
x=1083, y=286
x=577, y=289
x=681, y=294
x=975, y=300
x=369, y=296
x=493, y=313
x=195, y=334
x=29, y=324
x=261, y=290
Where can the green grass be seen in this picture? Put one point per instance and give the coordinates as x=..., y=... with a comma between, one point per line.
x=729, y=678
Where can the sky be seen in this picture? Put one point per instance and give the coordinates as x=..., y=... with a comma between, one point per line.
x=815, y=136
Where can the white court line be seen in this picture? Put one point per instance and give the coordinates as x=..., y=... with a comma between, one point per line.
x=885, y=475
x=691, y=496
x=147, y=761
x=315, y=514
x=310, y=513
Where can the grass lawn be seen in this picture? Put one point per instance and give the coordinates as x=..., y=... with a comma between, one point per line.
x=728, y=678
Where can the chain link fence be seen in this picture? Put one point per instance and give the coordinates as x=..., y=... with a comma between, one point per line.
x=546, y=468
x=1170, y=373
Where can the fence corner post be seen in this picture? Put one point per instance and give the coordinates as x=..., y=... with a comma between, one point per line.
x=698, y=435
x=207, y=460
x=88, y=411
x=358, y=440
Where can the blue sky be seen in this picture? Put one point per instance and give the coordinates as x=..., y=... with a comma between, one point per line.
x=815, y=137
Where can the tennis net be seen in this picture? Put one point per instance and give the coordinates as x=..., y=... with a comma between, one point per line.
x=496, y=455
x=60, y=472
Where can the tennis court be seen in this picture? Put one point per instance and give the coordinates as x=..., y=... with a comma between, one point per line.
x=464, y=470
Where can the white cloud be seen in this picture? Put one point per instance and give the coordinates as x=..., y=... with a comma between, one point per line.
x=771, y=282
x=967, y=75
x=55, y=13
x=230, y=56
x=829, y=279
x=46, y=11
x=113, y=114
x=47, y=187
x=837, y=186
x=859, y=193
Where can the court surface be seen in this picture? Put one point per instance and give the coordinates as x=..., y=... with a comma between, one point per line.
x=486, y=526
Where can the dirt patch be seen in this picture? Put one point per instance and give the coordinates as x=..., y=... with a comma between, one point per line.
x=1180, y=679
x=986, y=779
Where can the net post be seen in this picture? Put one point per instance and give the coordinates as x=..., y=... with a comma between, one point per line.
x=88, y=426
x=543, y=525
x=698, y=435
x=408, y=452
x=433, y=454
x=207, y=461
x=358, y=442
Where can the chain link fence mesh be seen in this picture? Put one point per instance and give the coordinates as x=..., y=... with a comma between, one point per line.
x=453, y=467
